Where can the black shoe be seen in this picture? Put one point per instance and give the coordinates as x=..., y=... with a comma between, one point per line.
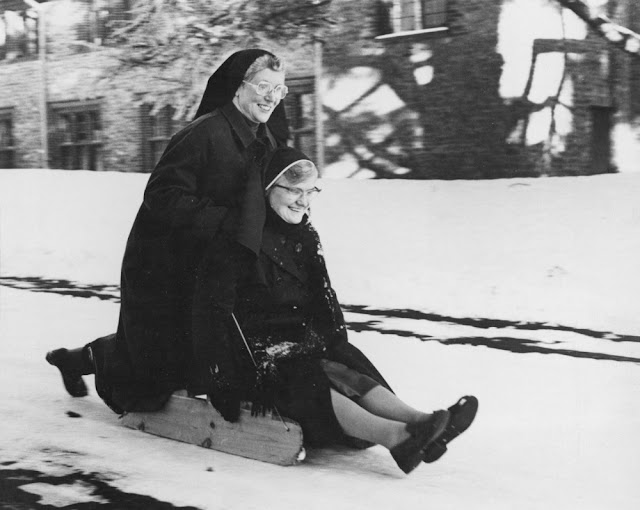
x=409, y=453
x=65, y=361
x=463, y=413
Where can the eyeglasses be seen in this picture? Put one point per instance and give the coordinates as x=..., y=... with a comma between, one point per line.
x=298, y=192
x=264, y=87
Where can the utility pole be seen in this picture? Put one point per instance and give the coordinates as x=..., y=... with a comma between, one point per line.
x=42, y=57
x=317, y=71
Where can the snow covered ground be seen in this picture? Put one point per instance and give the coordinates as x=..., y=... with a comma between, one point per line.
x=522, y=292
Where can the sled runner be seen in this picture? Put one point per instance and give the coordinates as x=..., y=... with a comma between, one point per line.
x=268, y=438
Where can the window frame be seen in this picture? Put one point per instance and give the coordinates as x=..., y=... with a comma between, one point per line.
x=75, y=145
x=27, y=43
x=151, y=140
x=301, y=126
x=420, y=28
x=99, y=14
x=6, y=114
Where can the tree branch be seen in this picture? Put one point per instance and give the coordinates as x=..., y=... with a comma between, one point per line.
x=619, y=36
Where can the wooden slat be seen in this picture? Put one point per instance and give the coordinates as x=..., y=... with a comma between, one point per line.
x=195, y=421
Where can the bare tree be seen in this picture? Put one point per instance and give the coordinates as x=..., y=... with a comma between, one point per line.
x=617, y=35
x=158, y=35
x=179, y=41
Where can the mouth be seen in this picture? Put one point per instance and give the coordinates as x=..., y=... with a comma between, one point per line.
x=265, y=107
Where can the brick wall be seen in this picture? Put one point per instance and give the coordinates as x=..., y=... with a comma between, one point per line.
x=24, y=101
x=77, y=73
x=453, y=125
x=457, y=124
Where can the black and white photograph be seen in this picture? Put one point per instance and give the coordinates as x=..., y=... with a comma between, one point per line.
x=346, y=254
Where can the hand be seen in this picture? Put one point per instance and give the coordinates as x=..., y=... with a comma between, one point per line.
x=227, y=404
x=267, y=379
x=224, y=396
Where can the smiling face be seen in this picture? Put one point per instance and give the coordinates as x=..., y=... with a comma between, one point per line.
x=287, y=201
x=254, y=107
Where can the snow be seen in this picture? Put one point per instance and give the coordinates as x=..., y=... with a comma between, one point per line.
x=546, y=266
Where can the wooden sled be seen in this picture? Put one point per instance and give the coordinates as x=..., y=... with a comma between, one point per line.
x=193, y=420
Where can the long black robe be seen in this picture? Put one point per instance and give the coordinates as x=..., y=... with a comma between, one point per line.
x=193, y=200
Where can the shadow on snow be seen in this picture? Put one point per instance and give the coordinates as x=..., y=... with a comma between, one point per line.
x=26, y=489
x=511, y=344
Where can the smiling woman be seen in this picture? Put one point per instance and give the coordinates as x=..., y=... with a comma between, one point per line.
x=300, y=359
x=292, y=189
x=205, y=191
x=262, y=89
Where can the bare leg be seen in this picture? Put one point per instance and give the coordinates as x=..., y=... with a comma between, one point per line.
x=382, y=402
x=358, y=422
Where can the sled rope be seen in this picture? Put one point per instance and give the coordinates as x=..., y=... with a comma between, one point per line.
x=246, y=344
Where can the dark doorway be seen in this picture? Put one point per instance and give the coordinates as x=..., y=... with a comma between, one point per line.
x=601, y=120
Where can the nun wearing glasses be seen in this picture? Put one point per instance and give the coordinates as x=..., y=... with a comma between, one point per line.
x=288, y=348
x=206, y=193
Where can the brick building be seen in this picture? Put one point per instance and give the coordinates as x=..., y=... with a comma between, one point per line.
x=409, y=88
x=94, y=119
x=479, y=89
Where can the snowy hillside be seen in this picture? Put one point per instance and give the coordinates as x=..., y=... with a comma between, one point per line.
x=554, y=249
x=522, y=292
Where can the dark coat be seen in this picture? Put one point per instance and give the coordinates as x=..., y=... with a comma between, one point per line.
x=289, y=302
x=193, y=197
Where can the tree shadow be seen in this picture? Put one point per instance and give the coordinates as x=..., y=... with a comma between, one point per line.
x=484, y=323
x=62, y=287
x=14, y=492
x=501, y=342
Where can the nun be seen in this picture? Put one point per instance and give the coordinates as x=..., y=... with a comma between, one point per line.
x=204, y=203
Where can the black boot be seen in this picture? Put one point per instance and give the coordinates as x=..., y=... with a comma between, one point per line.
x=408, y=454
x=462, y=413
x=73, y=364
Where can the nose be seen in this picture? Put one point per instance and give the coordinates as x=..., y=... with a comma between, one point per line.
x=271, y=96
x=303, y=200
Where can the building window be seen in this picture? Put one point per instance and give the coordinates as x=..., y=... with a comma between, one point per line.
x=7, y=149
x=18, y=34
x=412, y=17
x=77, y=136
x=102, y=18
x=300, y=107
x=157, y=128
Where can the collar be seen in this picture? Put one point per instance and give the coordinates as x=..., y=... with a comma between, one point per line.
x=272, y=139
x=239, y=125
